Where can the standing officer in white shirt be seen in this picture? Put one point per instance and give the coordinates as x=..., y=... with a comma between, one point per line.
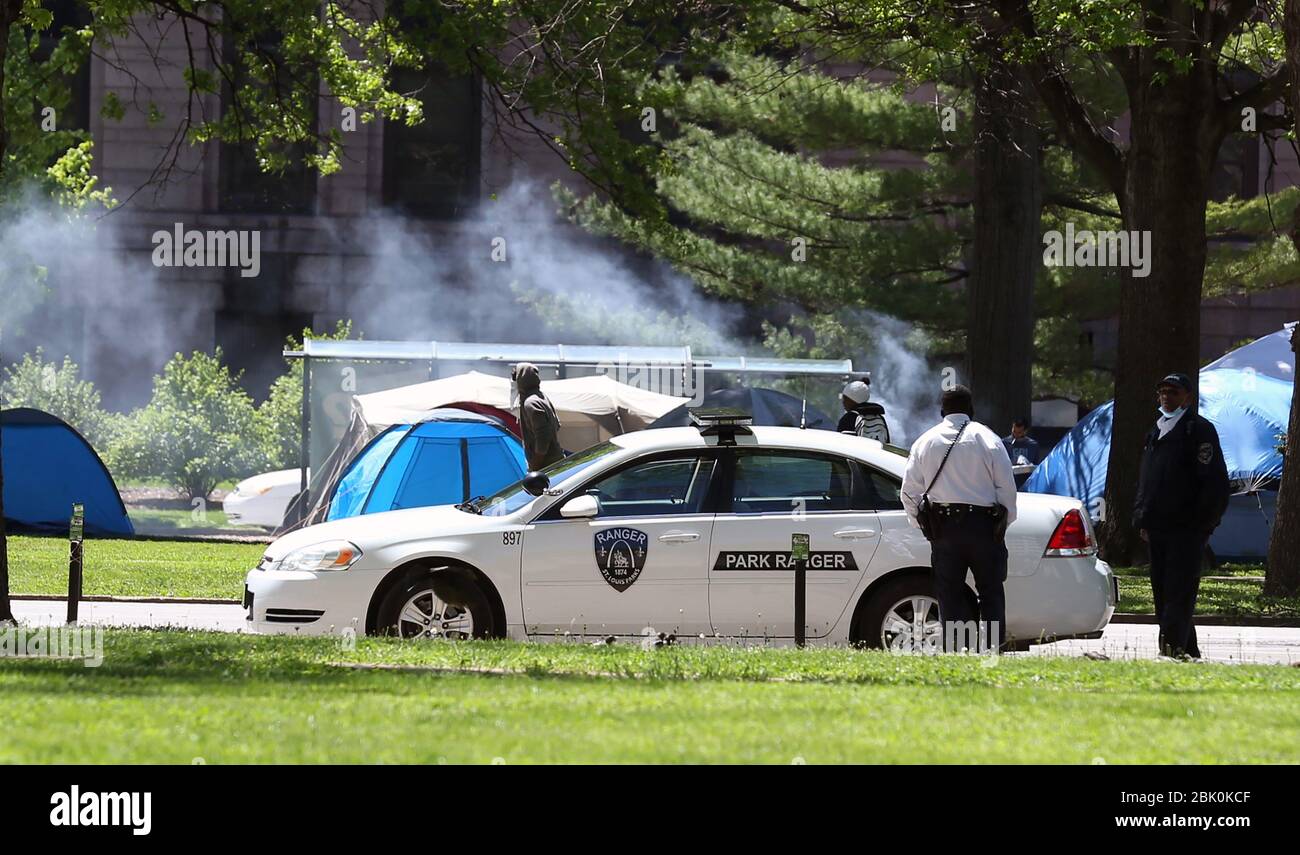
x=973, y=500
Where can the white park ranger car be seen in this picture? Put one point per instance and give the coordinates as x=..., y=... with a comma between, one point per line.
x=686, y=530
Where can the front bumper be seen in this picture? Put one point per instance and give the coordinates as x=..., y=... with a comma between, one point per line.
x=280, y=602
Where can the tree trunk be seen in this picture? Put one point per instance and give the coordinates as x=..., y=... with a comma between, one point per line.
x=1166, y=174
x=8, y=16
x=1006, y=254
x=6, y=611
x=1282, y=575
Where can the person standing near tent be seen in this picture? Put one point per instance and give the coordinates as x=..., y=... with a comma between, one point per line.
x=1021, y=447
x=861, y=415
x=538, y=422
x=1182, y=493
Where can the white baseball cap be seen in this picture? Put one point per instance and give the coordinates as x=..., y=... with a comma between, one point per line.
x=857, y=392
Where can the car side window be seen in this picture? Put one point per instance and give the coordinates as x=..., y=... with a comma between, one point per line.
x=882, y=492
x=775, y=482
x=665, y=486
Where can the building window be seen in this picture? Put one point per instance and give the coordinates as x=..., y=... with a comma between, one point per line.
x=68, y=15
x=243, y=186
x=432, y=169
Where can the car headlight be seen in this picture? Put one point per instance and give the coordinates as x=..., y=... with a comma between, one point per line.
x=331, y=555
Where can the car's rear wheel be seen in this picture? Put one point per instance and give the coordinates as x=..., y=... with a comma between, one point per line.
x=903, y=616
x=436, y=604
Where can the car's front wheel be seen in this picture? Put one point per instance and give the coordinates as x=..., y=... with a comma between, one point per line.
x=903, y=616
x=436, y=604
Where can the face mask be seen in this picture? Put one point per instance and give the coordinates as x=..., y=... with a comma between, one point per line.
x=1169, y=414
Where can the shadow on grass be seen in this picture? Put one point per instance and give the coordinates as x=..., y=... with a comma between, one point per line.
x=181, y=662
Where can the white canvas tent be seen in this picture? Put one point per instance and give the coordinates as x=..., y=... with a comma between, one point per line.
x=591, y=409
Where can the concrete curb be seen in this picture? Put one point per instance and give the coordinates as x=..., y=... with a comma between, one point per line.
x=98, y=598
x=1119, y=617
x=1215, y=620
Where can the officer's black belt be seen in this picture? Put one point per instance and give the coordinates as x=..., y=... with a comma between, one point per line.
x=959, y=508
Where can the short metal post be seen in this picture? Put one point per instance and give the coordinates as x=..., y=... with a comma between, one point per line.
x=76, y=527
x=800, y=605
x=799, y=550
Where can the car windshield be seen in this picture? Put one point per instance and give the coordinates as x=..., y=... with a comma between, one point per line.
x=514, y=497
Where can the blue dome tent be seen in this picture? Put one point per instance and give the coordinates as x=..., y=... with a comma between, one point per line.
x=1247, y=395
x=47, y=467
x=450, y=456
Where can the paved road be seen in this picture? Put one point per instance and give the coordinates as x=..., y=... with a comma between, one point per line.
x=1276, y=645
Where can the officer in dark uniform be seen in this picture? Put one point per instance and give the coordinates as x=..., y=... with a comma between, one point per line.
x=1182, y=494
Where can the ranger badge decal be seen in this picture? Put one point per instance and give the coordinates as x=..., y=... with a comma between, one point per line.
x=620, y=555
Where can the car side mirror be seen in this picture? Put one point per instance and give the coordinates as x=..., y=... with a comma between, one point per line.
x=535, y=483
x=581, y=507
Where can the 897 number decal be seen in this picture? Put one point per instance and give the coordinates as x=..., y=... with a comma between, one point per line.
x=511, y=538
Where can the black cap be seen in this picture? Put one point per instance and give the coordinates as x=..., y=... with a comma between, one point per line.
x=1176, y=379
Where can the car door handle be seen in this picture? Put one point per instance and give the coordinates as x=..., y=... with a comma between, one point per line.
x=855, y=533
x=679, y=536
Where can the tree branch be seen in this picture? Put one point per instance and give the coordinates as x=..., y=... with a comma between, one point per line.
x=1063, y=103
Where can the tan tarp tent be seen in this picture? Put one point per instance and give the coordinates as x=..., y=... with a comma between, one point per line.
x=591, y=409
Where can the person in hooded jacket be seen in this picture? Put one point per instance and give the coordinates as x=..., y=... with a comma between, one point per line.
x=862, y=416
x=538, y=422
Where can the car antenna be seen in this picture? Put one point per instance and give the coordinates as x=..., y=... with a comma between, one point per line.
x=803, y=412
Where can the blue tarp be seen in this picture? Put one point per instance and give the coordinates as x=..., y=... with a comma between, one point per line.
x=47, y=467
x=1247, y=395
x=453, y=456
x=1248, y=410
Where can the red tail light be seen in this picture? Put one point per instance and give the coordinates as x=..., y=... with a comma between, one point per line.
x=1072, y=536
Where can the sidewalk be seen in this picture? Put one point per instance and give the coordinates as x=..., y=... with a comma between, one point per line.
x=1232, y=644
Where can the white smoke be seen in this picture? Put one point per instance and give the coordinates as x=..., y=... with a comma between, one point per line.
x=101, y=300
x=70, y=284
x=902, y=380
x=491, y=276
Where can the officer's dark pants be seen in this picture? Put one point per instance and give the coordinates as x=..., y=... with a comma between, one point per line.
x=1175, y=582
x=969, y=541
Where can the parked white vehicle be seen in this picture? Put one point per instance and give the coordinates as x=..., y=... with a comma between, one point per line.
x=684, y=530
x=262, y=499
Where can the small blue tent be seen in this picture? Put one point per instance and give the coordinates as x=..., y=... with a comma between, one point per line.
x=451, y=456
x=47, y=467
x=1247, y=395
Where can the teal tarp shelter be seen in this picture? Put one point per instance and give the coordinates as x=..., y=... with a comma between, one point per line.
x=450, y=456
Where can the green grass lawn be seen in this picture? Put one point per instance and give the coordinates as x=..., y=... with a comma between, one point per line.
x=1230, y=597
x=133, y=568
x=172, y=697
